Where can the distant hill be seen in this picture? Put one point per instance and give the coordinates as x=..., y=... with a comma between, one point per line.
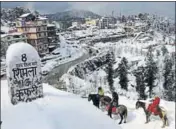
x=10, y=15
x=72, y=14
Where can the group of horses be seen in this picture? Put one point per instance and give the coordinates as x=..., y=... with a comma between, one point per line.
x=121, y=110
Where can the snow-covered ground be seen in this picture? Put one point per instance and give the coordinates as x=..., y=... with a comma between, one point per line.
x=57, y=110
x=62, y=110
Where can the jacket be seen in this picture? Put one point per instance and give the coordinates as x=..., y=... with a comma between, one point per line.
x=101, y=92
x=115, y=99
x=156, y=102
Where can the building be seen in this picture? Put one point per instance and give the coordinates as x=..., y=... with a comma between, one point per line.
x=8, y=39
x=103, y=23
x=35, y=28
x=52, y=37
x=107, y=22
x=92, y=22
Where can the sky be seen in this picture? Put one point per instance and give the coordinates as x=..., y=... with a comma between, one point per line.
x=102, y=8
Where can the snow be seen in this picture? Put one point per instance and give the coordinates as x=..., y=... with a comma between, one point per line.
x=63, y=110
x=23, y=48
x=5, y=29
x=57, y=110
x=50, y=25
x=25, y=15
x=42, y=18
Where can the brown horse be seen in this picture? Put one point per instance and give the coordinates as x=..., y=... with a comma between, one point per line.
x=161, y=110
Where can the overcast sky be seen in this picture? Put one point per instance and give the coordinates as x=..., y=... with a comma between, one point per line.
x=102, y=8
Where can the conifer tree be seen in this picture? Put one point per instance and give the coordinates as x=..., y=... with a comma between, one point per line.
x=123, y=73
x=110, y=60
x=150, y=71
x=140, y=82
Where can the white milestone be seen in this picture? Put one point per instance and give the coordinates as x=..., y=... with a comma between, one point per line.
x=23, y=73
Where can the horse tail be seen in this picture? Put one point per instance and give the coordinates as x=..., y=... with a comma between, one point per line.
x=164, y=114
x=126, y=114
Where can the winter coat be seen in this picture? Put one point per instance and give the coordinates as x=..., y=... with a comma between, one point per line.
x=101, y=92
x=115, y=99
x=153, y=107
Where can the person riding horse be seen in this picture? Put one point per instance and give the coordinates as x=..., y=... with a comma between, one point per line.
x=114, y=102
x=154, y=106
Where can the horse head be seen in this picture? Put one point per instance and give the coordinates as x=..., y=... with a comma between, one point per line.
x=138, y=104
x=89, y=97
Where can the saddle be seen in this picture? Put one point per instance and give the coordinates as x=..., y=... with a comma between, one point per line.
x=114, y=109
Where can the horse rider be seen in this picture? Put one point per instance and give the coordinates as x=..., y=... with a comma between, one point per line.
x=154, y=106
x=114, y=102
x=100, y=92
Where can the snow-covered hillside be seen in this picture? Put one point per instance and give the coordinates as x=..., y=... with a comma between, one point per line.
x=57, y=110
x=62, y=110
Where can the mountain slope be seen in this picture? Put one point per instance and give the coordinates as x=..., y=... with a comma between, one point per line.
x=72, y=14
x=12, y=14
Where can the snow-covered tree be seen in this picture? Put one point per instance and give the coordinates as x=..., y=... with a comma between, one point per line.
x=110, y=71
x=122, y=73
x=140, y=82
x=151, y=70
x=169, y=78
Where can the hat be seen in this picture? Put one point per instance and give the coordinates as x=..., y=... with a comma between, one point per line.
x=156, y=96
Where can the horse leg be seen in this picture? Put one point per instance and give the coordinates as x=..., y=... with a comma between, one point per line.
x=163, y=117
x=147, y=116
x=110, y=111
x=166, y=120
x=121, y=116
x=125, y=116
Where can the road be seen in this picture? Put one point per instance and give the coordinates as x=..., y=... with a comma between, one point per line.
x=56, y=73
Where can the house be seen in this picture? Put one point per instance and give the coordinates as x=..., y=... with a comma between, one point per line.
x=52, y=37
x=92, y=22
x=107, y=22
x=35, y=28
x=103, y=23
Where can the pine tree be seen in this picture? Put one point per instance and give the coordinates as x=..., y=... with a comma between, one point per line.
x=110, y=60
x=150, y=71
x=140, y=82
x=122, y=73
x=169, y=78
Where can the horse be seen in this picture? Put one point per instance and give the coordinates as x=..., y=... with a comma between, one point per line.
x=105, y=100
x=121, y=110
x=162, y=113
x=95, y=99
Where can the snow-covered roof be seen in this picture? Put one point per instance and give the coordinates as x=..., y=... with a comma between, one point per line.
x=25, y=15
x=16, y=33
x=3, y=35
x=42, y=18
x=50, y=25
x=11, y=34
x=5, y=29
